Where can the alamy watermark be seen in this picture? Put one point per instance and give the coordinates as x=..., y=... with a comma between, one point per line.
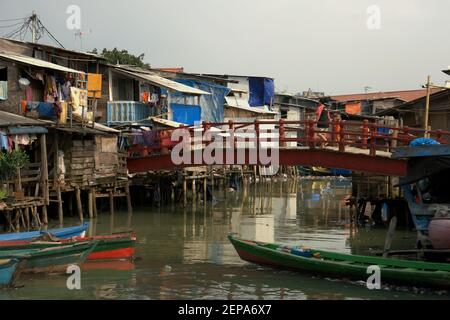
x=374, y=17
x=73, y=22
x=374, y=280
x=240, y=147
x=74, y=280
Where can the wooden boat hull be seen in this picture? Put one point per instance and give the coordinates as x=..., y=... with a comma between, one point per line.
x=51, y=260
x=62, y=233
x=346, y=266
x=112, y=247
x=8, y=272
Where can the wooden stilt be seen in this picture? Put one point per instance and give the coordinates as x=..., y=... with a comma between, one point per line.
x=127, y=191
x=94, y=201
x=111, y=202
x=184, y=191
x=60, y=207
x=38, y=219
x=17, y=220
x=90, y=204
x=44, y=215
x=205, y=190
x=194, y=194
x=389, y=236
x=70, y=204
x=27, y=217
x=79, y=205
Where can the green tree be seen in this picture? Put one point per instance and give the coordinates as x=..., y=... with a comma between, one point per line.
x=115, y=56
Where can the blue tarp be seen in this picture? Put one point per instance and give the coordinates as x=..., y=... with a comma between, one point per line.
x=262, y=91
x=423, y=142
x=212, y=106
x=187, y=114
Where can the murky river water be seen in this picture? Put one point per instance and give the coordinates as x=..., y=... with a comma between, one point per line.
x=184, y=252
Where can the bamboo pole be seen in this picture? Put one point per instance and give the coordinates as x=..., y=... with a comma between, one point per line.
x=60, y=208
x=44, y=177
x=94, y=201
x=127, y=191
x=184, y=191
x=111, y=202
x=90, y=204
x=79, y=206
x=427, y=107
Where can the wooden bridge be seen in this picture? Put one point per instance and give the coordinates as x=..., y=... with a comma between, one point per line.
x=357, y=146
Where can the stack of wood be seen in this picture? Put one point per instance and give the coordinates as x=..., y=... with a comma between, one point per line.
x=106, y=159
x=80, y=162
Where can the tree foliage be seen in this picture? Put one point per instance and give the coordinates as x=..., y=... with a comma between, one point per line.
x=116, y=56
x=10, y=162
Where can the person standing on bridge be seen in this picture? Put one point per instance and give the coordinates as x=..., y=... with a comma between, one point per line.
x=323, y=122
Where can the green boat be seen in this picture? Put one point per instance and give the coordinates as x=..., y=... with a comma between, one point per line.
x=117, y=246
x=51, y=260
x=344, y=266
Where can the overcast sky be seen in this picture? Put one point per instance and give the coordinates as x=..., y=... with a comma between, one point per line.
x=324, y=45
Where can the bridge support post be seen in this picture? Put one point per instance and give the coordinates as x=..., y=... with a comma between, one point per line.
x=341, y=137
x=365, y=133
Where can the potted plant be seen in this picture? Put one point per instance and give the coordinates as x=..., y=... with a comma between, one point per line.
x=10, y=163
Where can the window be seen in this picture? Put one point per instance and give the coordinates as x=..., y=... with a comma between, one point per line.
x=3, y=83
x=3, y=74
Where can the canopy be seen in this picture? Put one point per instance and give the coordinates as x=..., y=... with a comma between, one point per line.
x=36, y=62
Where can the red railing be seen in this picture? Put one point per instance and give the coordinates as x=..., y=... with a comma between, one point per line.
x=340, y=135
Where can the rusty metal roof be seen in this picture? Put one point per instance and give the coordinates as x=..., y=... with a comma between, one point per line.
x=161, y=82
x=36, y=62
x=405, y=95
x=8, y=119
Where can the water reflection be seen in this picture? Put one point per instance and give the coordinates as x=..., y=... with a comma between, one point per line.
x=184, y=252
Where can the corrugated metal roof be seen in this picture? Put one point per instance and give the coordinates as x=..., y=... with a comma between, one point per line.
x=36, y=62
x=232, y=103
x=405, y=95
x=8, y=119
x=80, y=130
x=104, y=128
x=163, y=82
x=168, y=123
x=407, y=106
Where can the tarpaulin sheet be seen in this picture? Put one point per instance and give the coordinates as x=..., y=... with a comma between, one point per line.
x=353, y=108
x=212, y=106
x=187, y=114
x=420, y=168
x=262, y=91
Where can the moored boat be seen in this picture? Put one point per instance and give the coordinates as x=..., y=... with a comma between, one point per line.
x=109, y=247
x=53, y=259
x=340, y=265
x=62, y=233
x=425, y=188
x=8, y=272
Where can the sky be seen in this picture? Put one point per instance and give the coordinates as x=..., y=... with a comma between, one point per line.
x=334, y=46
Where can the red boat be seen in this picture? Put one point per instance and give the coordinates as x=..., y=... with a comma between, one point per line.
x=118, y=246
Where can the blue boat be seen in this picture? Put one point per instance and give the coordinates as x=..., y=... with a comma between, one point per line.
x=8, y=272
x=425, y=188
x=62, y=233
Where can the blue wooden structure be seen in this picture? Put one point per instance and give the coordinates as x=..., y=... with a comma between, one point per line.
x=62, y=233
x=8, y=268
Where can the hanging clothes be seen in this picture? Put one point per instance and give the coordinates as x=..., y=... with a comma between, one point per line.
x=75, y=97
x=65, y=91
x=29, y=93
x=4, y=143
x=3, y=90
